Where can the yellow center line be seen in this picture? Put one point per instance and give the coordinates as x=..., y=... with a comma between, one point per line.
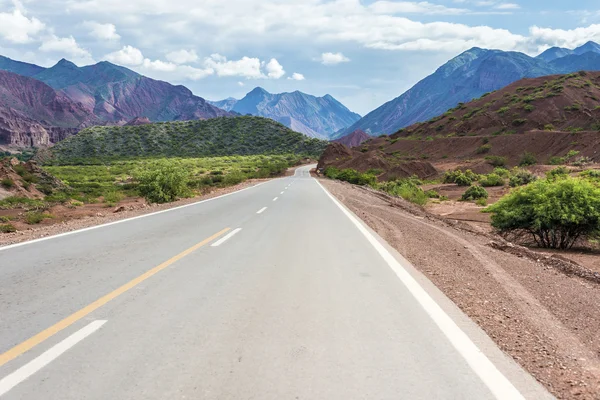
x=71, y=319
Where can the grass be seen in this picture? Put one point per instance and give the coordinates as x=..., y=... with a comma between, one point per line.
x=7, y=228
x=35, y=217
x=112, y=181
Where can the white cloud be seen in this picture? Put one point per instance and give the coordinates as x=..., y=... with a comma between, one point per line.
x=245, y=67
x=410, y=7
x=297, y=77
x=274, y=69
x=569, y=38
x=241, y=83
x=158, y=65
x=182, y=56
x=333, y=58
x=66, y=46
x=102, y=31
x=507, y=6
x=15, y=27
x=128, y=55
x=194, y=73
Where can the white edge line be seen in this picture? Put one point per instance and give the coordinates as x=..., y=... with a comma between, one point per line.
x=281, y=193
x=262, y=210
x=275, y=199
x=12, y=246
x=33, y=366
x=496, y=382
x=225, y=238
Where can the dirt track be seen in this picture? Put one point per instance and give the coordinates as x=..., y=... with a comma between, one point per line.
x=547, y=321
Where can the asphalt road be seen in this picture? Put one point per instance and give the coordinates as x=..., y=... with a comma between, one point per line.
x=273, y=292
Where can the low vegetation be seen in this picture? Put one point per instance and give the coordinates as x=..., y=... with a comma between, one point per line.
x=555, y=212
x=224, y=136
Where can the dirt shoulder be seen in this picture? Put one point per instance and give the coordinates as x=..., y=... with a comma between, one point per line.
x=67, y=219
x=536, y=310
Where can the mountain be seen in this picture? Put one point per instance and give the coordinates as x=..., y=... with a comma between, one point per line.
x=40, y=106
x=354, y=139
x=116, y=94
x=314, y=116
x=18, y=67
x=551, y=119
x=243, y=135
x=34, y=114
x=468, y=76
x=553, y=53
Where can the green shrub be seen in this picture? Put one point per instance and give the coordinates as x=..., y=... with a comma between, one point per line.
x=163, y=183
x=557, y=173
x=475, y=193
x=491, y=180
x=497, y=161
x=374, y=171
x=549, y=127
x=519, y=121
x=432, y=194
x=503, y=110
x=529, y=107
x=484, y=149
x=481, y=202
x=463, y=180
x=527, y=159
x=35, y=217
x=7, y=228
x=234, y=178
x=591, y=173
x=521, y=177
x=405, y=189
x=555, y=160
x=502, y=172
x=357, y=178
x=7, y=183
x=555, y=213
x=112, y=197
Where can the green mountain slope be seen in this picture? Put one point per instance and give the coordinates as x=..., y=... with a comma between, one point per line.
x=214, y=137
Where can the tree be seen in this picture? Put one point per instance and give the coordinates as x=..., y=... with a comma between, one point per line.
x=555, y=212
x=164, y=182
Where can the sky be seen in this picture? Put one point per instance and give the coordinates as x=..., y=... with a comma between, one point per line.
x=363, y=53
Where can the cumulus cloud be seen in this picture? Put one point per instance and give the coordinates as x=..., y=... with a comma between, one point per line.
x=297, y=77
x=66, y=46
x=411, y=7
x=128, y=55
x=102, y=31
x=333, y=58
x=274, y=69
x=182, y=56
x=507, y=6
x=16, y=27
x=245, y=67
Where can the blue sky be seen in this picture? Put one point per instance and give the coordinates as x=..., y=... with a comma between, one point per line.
x=362, y=52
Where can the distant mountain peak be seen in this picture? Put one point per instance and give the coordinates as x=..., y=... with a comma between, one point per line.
x=64, y=63
x=587, y=47
x=313, y=116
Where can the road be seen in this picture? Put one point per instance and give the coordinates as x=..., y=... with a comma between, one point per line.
x=273, y=292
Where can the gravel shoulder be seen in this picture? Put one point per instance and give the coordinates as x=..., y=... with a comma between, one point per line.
x=537, y=311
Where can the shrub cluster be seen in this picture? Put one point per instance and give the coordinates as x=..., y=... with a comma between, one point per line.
x=475, y=193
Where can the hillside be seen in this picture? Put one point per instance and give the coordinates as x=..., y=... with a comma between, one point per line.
x=549, y=117
x=468, y=76
x=353, y=139
x=40, y=106
x=314, y=116
x=243, y=135
x=34, y=114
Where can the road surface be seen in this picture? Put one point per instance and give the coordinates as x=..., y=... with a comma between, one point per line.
x=273, y=292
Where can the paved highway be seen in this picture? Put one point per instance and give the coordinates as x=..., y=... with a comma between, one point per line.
x=273, y=292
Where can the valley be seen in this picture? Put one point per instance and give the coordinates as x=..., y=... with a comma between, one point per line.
x=479, y=188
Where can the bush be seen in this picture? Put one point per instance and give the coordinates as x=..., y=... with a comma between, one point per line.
x=463, y=180
x=555, y=213
x=164, y=182
x=405, y=189
x=351, y=176
x=432, y=194
x=557, y=173
x=484, y=149
x=7, y=183
x=481, y=202
x=233, y=178
x=35, y=217
x=591, y=174
x=475, y=193
x=501, y=172
x=496, y=161
x=527, y=159
x=112, y=197
x=460, y=178
x=7, y=228
x=521, y=177
x=491, y=180
x=556, y=160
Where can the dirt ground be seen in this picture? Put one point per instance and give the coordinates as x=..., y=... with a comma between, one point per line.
x=545, y=319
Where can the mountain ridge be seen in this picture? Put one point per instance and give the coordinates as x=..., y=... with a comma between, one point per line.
x=465, y=77
x=314, y=116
